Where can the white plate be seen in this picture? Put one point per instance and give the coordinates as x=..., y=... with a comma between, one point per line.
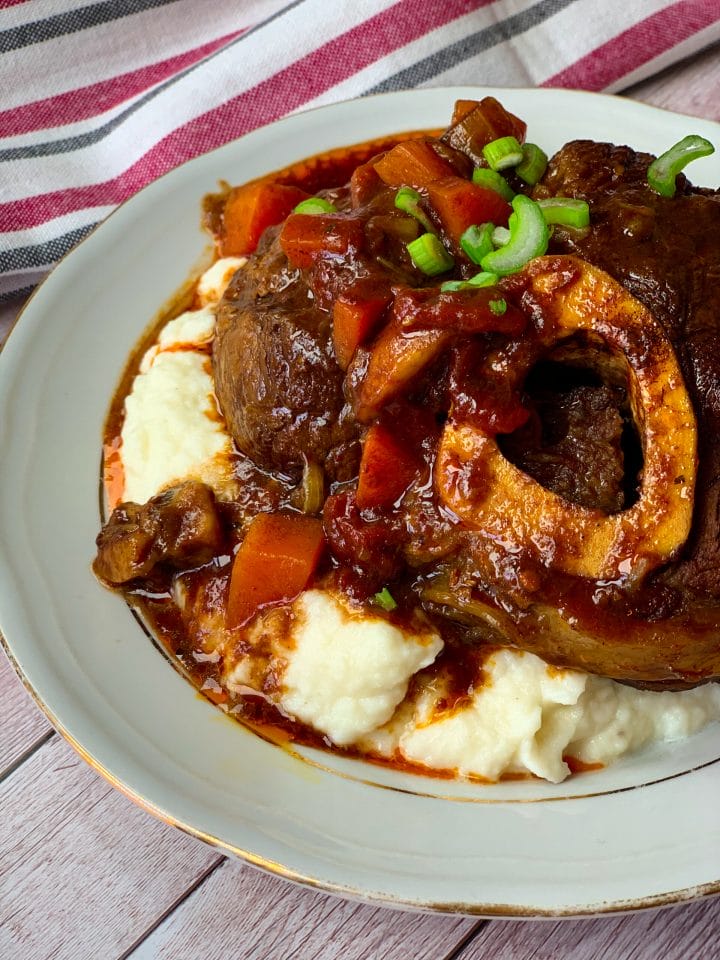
x=644, y=832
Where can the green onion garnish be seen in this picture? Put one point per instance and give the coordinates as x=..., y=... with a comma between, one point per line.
x=500, y=236
x=534, y=164
x=408, y=200
x=429, y=255
x=479, y=280
x=503, y=153
x=663, y=171
x=492, y=180
x=483, y=279
x=385, y=600
x=498, y=307
x=566, y=211
x=315, y=205
x=529, y=236
x=476, y=241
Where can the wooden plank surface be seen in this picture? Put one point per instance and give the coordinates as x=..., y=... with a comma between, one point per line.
x=22, y=726
x=274, y=920
x=690, y=87
x=84, y=873
x=690, y=932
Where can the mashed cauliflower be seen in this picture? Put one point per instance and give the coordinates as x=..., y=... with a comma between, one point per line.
x=345, y=671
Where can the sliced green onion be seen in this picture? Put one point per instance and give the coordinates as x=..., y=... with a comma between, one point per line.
x=663, y=171
x=498, y=306
x=385, y=600
x=483, y=279
x=566, y=211
x=429, y=255
x=479, y=280
x=503, y=153
x=315, y=205
x=408, y=200
x=476, y=241
x=500, y=236
x=534, y=164
x=492, y=180
x=529, y=236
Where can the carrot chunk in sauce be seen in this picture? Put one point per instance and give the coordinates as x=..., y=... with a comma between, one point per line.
x=473, y=129
x=307, y=236
x=354, y=321
x=413, y=164
x=274, y=563
x=387, y=469
x=459, y=204
x=251, y=209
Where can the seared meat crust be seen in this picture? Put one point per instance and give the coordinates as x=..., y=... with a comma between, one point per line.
x=276, y=377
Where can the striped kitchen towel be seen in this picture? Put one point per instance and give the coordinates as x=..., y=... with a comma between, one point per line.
x=99, y=98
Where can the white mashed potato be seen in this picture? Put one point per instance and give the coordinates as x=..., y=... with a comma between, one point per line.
x=172, y=429
x=526, y=716
x=339, y=670
x=346, y=672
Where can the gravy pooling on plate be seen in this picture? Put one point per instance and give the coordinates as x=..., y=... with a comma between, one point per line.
x=421, y=430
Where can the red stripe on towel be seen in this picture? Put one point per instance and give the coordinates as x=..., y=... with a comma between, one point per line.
x=84, y=102
x=637, y=45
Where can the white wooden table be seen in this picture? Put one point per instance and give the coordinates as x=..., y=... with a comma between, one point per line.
x=85, y=875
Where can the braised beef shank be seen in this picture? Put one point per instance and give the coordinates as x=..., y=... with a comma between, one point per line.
x=276, y=377
x=285, y=398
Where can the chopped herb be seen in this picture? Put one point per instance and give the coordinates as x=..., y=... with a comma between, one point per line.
x=408, y=200
x=503, y=153
x=315, y=205
x=529, y=236
x=385, y=600
x=533, y=165
x=662, y=172
x=492, y=180
x=476, y=241
x=429, y=255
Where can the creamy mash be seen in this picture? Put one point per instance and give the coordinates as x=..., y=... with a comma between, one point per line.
x=172, y=429
x=345, y=671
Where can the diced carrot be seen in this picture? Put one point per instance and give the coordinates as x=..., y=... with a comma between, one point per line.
x=387, y=468
x=462, y=109
x=459, y=204
x=306, y=236
x=396, y=358
x=503, y=123
x=354, y=321
x=251, y=209
x=476, y=128
x=274, y=563
x=412, y=164
x=364, y=184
